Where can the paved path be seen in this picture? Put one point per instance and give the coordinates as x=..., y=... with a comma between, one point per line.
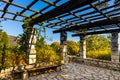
x=75, y=71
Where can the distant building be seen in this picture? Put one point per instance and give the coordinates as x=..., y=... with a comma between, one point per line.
x=13, y=40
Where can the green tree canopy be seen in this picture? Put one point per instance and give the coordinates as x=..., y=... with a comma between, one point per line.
x=97, y=42
x=4, y=49
x=56, y=46
x=73, y=48
x=98, y=47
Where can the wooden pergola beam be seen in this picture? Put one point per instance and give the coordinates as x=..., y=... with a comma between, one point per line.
x=5, y=8
x=30, y=5
x=68, y=6
x=98, y=32
x=104, y=22
x=11, y=19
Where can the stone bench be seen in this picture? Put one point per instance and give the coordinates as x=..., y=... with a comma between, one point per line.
x=17, y=74
x=37, y=71
x=24, y=74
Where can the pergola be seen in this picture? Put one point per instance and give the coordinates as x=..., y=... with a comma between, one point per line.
x=82, y=17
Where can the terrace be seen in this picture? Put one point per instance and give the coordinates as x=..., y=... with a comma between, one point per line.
x=82, y=18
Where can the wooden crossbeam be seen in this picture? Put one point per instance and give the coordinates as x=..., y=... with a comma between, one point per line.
x=10, y=19
x=77, y=16
x=98, y=32
x=92, y=5
x=5, y=8
x=104, y=22
x=15, y=16
x=68, y=6
x=41, y=11
x=30, y=5
x=85, y=8
x=22, y=15
x=81, y=18
x=17, y=5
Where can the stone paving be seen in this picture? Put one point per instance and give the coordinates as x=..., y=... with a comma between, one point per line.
x=75, y=71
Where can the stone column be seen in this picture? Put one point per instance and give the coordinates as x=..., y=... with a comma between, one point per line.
x=114, y=47
x=63, y=46
x=31, y=46
x=82, y=46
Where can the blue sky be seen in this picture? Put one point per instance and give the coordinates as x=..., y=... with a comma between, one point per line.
x=15, y=28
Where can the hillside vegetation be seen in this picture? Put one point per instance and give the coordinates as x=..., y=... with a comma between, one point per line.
x=98, y=47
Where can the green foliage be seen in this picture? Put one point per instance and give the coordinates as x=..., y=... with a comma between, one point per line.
x=45, y=53
x=24, y=38
x=98, y=47
x=20, y=51
x=96, y=42
x=4, y=50
x=73, y=48
x=27, y=23
x=18, y=56
x=104, y=55
x=10, y=55
x=22, y=41
x=56, y=46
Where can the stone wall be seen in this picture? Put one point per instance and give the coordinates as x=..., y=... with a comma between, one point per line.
x=97, y=63
x=6, y=73
x=21, y=71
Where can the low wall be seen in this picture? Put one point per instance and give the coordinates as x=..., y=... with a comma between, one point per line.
x=6, y=73
x=97, y=63
x=22, y=71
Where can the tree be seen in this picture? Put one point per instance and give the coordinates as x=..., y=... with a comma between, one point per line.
x=45, y=53
x=98, y=47
x=23, y=40
x=4, y=48
x=73, y=48
x=56, y=47
x=96, y=42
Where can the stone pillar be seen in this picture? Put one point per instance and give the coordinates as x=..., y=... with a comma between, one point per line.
x=63, y=46
x=31, y=46
x=114, y=47
x=82, y=46
x=119, y=45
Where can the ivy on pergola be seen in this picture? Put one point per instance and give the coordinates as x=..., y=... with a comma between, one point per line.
x=79, y=16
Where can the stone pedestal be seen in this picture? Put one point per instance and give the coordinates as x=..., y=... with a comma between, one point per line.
x=114, y=47
x=82, y=46
x=63, y=47
x=31, y=46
